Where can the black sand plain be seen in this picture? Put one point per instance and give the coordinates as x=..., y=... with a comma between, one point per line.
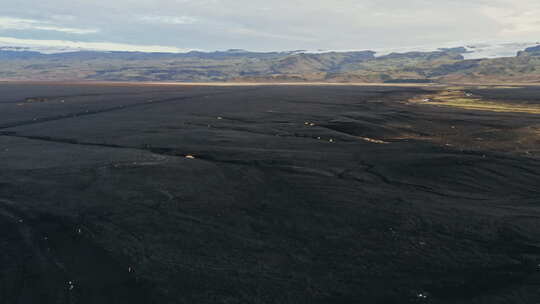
x=289, y=194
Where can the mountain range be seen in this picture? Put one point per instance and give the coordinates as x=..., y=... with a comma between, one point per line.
x=447, y=65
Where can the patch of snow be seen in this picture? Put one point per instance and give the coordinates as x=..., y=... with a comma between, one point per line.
x=486, y=50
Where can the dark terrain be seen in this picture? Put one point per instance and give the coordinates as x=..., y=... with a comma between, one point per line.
x=290, y=194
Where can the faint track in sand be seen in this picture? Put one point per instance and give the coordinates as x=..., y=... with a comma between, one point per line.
x=110, y=109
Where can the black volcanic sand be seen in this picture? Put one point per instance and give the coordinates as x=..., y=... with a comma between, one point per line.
x=98, y=203
x=519, y=95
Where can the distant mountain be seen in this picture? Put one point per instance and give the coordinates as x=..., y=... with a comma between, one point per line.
x=441, y=65
x=531, y=51
x=19, y=54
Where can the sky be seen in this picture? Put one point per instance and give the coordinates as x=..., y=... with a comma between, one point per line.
x=257, y=25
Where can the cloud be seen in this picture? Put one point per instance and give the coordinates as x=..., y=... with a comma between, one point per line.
x=96, y=46
x=31, y=24
x=244, y=31
x=516, y=20
x=169, y=19
x=277, y=24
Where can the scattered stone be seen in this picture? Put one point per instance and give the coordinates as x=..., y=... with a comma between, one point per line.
x=372, y=140
x=422, y=295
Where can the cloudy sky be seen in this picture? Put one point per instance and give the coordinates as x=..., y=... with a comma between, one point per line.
x=176, y=25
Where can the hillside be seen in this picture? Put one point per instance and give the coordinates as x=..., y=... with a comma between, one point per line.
x=443, y=65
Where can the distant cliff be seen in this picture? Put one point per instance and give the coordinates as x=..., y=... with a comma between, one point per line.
x=443, y=65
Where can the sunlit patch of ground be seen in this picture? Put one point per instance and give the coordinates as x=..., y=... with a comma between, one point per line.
x=497, y=87
x=373, y=140
x=460, y=98
x=509, y=87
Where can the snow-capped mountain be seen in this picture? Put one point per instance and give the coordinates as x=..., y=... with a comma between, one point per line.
x=474, y=50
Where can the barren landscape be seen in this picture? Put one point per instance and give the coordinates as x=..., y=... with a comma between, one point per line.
x=443, y=65
x=130, y=193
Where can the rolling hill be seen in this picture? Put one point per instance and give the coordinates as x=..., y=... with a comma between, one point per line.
x=443, y=65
